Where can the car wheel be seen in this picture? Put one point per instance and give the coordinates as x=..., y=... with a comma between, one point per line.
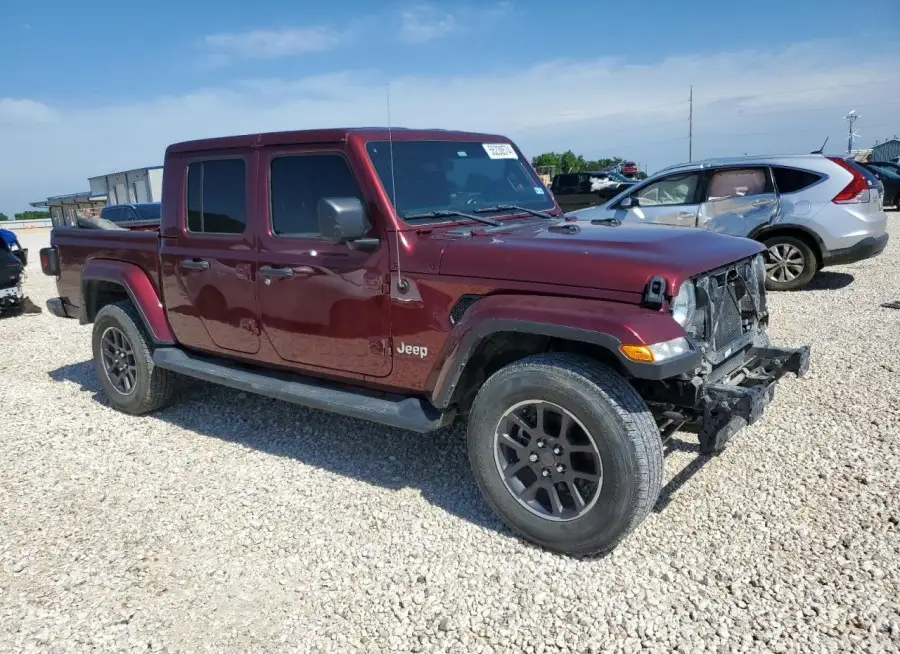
x=566, y=452
x=123, y=362
x=790, y=263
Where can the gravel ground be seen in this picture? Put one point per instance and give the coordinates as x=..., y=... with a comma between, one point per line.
x=233, y=523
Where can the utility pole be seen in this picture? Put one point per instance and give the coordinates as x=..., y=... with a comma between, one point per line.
x=851, y=119
x=691, y=126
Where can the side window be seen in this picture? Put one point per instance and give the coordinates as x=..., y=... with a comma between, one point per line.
x=298, y=182
x=113, y=214
x=791, y=180
x=675, y=189
x=216, y=196
x=736, y=183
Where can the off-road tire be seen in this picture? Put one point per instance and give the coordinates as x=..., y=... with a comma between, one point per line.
x=619, y=422
x=810, y=265
x=154, y=387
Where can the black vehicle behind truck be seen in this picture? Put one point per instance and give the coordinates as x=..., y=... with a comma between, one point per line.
x=575, y=191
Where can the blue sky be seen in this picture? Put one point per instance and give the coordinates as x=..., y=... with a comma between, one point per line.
x=101, y=86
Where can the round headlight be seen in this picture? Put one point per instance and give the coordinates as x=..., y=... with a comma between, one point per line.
x=684, y=305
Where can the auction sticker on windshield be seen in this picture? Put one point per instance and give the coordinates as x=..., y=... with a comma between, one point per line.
x=500, y=151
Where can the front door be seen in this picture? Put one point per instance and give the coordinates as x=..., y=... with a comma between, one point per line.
x=671, y=200
x=738, y=200
x=321, y=304
x=210, y=265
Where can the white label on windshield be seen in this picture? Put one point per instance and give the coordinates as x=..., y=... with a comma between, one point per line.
x=499, y=151
x=538, y=190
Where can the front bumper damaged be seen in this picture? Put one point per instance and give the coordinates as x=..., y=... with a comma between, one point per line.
x=730, y=404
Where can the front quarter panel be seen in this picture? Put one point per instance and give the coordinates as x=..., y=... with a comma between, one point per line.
x=607, y=324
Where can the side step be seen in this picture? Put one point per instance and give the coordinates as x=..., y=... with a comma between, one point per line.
x=410, y=413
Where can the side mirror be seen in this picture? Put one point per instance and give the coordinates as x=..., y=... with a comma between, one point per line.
x=628, y=202
x=342, y=220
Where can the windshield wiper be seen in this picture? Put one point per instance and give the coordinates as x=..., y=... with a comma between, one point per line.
x=513, y=207
x=449, y=213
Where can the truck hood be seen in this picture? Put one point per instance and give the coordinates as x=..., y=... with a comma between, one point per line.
x=612, y=257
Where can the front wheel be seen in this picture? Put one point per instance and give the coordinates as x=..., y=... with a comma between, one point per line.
x=566, y=452
x=790, y=263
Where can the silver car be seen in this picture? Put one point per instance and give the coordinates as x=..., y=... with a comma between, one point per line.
x=811, y=211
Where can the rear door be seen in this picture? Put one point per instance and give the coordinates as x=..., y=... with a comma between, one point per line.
x=737, y=200
x=670, y=200
x=209, y=268
x=321, y=304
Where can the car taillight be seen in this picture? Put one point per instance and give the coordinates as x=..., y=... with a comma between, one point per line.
x=858, y=188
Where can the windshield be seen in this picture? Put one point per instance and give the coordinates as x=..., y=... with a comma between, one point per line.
x=455, y=176
x=147, y=211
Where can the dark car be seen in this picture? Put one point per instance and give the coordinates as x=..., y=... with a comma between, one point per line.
x=414, y=277
x=11, y=267
x=132, y=215
x=587, y=189
x=889, y=176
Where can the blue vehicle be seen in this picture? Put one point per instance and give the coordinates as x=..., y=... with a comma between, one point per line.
x=12, y=263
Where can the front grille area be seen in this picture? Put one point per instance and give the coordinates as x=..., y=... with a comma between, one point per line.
x=730, y=302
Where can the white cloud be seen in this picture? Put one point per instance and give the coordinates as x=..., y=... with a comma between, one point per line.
x=787, y=100
x=426, y=22
x=24, y=112
x=271, y=44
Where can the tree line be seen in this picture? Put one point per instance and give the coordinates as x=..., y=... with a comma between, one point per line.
x=569, y=162
x=27, y=215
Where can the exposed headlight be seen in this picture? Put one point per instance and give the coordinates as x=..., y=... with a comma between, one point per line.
x=658, y=351
x=759, y=266
x=684, y=305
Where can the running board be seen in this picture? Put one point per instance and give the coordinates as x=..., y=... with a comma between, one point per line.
x=410, y=413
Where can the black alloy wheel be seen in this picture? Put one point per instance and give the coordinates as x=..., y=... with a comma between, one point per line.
x=548, y=460
x=118, y=360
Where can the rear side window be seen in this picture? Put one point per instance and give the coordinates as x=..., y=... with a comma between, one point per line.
x=791, y=180
x=113, y=214
x=298, y=182
x=737, y=183
x=216, y=196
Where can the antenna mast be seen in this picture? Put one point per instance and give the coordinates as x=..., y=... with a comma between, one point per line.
x=691, y=125
x=402, y=284
x=851, y=120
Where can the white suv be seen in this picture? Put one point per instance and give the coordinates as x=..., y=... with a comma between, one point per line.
x=811, y=211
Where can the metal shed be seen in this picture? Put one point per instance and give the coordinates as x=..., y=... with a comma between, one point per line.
x=887, y=151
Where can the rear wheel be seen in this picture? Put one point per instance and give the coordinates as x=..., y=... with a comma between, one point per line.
x=123, y=362
x=566, y=452
x=790, y=263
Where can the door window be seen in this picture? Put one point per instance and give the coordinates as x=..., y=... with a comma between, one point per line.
x=216, y=196
x=737, y=183
x=113, y=214
x=298, y=182
x=676, y=189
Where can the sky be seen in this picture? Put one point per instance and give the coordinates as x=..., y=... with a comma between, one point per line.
x=92, y=88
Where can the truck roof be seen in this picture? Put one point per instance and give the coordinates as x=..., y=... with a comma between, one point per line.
x=332, y=135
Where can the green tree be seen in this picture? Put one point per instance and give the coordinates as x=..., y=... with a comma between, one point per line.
x=546, y=160
x=569, y=162
x=33, y=215
x=3, y=216
x=603, y=164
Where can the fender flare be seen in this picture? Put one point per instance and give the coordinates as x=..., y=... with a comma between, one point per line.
x=596, y=322
x=140, y=289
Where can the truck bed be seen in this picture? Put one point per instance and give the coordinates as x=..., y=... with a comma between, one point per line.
x=78, y=246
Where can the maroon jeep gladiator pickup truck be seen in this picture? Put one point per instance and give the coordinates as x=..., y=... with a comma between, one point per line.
x=414, y=277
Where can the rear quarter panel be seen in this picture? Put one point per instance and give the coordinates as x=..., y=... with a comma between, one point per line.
x=79, y=248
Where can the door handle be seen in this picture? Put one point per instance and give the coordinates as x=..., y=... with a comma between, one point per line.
x=685, y=214
x=195, y=264
x=278, y=273
x=760, y=203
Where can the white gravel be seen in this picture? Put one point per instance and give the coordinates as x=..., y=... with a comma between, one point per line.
x=233, y=523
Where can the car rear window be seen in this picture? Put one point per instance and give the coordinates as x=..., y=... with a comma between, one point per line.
x=791, y=180
x=113, y=214
x=147, y=211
